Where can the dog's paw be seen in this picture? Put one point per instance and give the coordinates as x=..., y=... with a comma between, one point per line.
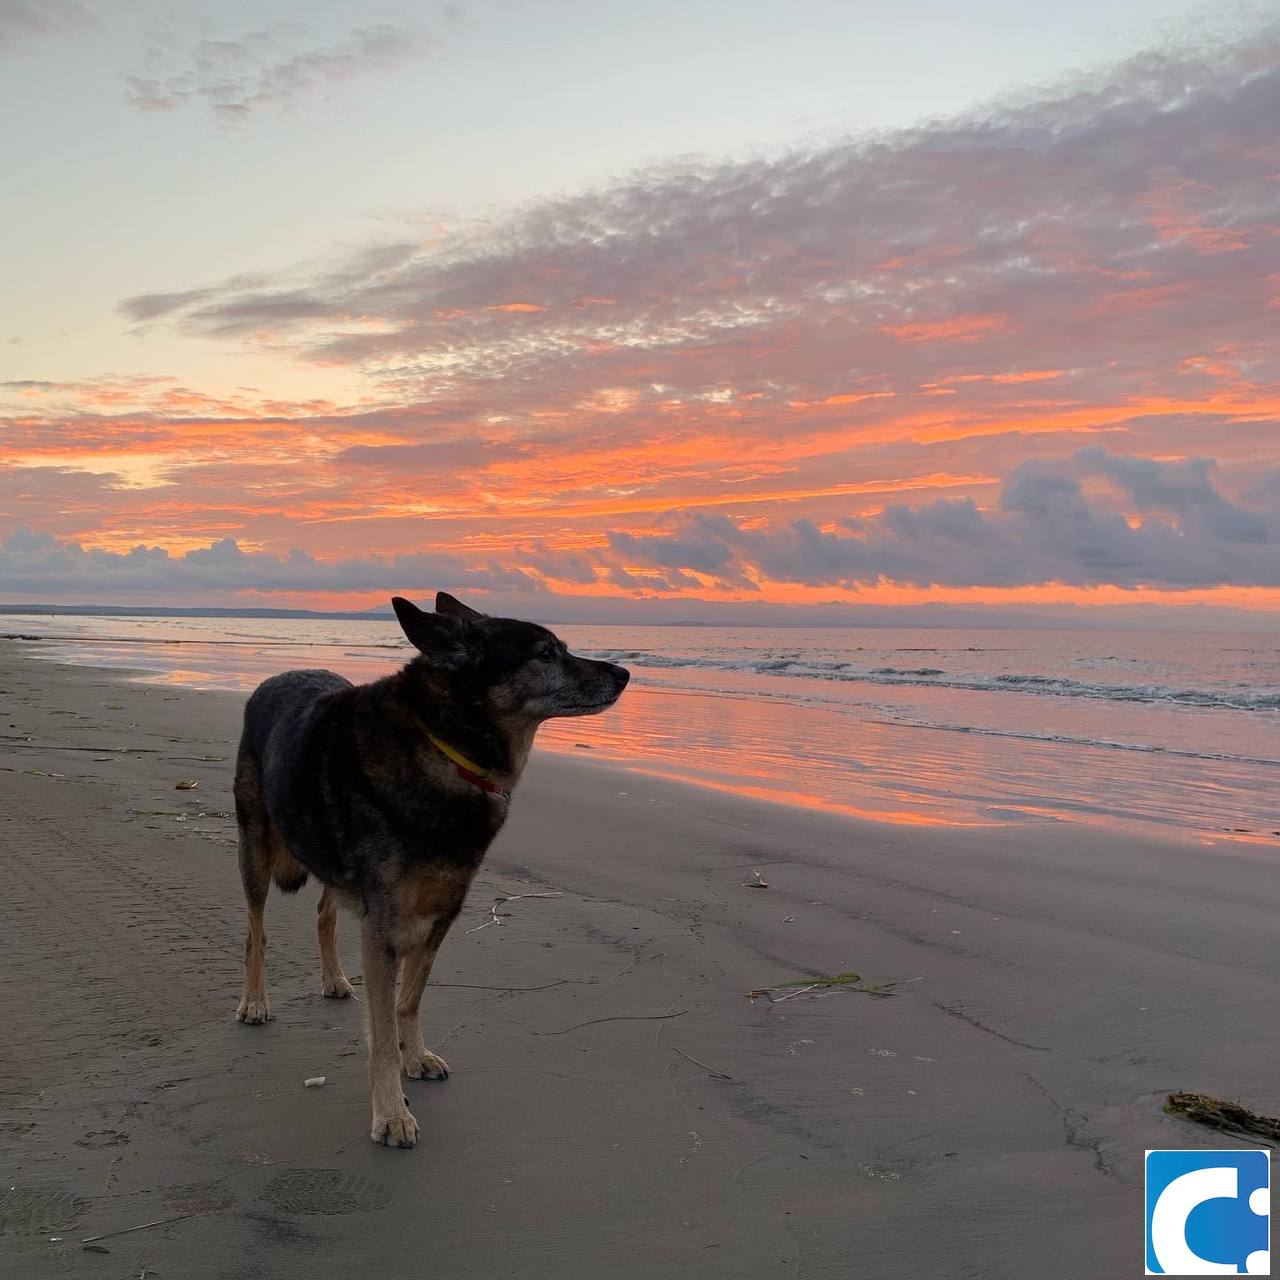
x=424, y=1065
x=394, y=1128
x=253, y=1010
x=336, y=988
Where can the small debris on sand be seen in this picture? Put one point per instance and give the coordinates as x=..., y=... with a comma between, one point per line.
x=1230, y=1117
x=186, y=784
x=314, y=1082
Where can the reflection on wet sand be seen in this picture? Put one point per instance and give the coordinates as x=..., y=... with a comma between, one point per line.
x=901, y=774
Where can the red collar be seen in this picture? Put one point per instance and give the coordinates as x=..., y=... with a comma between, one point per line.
x=485, y=784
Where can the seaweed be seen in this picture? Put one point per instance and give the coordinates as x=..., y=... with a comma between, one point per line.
x=845, y=981
x=1217, y=1113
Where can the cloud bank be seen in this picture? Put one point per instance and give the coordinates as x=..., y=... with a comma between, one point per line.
x=37, y=564
x=1153, y=525
x=1026, y=348
x=1072, y=523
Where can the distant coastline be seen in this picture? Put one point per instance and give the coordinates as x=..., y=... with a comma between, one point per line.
x=190, y=611
x=1165, y=618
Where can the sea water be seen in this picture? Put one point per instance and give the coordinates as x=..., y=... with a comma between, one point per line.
x=1171, y=733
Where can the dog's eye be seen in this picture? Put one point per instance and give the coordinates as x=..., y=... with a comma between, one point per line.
x=546, y=652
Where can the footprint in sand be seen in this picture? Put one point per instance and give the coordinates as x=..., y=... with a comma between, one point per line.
x=324, y=1191
x=36, y=1210
x=96, y=1139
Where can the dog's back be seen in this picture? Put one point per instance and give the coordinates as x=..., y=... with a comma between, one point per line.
x=277, y=721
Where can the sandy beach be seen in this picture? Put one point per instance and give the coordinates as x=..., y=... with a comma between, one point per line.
x=619, y=1105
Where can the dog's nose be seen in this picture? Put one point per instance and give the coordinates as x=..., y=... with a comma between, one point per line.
x=620, y=674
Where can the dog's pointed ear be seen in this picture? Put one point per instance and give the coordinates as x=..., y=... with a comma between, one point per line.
x=434, y=634
x=454, y=608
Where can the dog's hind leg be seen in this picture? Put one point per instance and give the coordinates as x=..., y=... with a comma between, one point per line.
x=333, y=982
x=393, y=1125
x=256, y=858
x=416, y=1060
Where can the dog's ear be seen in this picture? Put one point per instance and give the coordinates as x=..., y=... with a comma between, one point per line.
x=436, y=635
x=454, y=608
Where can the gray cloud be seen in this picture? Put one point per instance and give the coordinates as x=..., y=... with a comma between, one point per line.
x=700, y=546
x=267, y=68
x=1183, y=490
x=39, y=564
x=23, y=22
x=565, y=566
x=151, y=306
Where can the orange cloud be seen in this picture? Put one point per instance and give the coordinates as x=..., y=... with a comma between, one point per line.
x=851, y=398
x=964, y=328
x=1027, y=375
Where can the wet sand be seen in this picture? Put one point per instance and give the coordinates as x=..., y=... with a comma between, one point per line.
x=618, y=1105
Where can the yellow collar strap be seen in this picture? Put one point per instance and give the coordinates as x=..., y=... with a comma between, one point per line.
x=468, y=769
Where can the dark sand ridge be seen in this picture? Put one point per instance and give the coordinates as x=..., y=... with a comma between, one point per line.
x=988, y=1119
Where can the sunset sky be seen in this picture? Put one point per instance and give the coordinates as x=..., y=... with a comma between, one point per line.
x=647, y=311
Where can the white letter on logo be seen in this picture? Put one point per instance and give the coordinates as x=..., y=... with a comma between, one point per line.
x=1169, y=1221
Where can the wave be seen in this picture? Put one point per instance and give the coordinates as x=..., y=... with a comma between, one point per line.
x=1028, y=735
x=789, y=664
x=897, y=671
x=1234, y=699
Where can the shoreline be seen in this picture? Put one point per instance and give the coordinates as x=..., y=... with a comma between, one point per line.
x=938, y=765
x=616, y=1092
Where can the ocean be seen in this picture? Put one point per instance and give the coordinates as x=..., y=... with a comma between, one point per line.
x=1174, y=734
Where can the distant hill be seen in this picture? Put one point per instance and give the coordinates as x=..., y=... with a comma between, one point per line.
x=157, y=611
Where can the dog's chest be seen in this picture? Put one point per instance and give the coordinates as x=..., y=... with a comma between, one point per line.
x=423, y=895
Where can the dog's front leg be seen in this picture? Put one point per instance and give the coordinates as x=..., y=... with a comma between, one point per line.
x=393, y=1126
x=416, y=1059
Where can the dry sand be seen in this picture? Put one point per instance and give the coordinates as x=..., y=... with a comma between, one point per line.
x=987, y=1120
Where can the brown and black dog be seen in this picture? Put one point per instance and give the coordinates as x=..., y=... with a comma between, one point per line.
x=389, y=794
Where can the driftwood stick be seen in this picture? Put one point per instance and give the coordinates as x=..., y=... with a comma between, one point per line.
x=142, y=1226
x=496, y=916
x=718, y=1075
x=617, y=1017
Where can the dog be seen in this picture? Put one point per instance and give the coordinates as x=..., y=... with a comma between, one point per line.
x=390, y=794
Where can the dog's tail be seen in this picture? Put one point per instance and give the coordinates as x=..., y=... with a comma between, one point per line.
x=262, y=851
x=288, y=873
